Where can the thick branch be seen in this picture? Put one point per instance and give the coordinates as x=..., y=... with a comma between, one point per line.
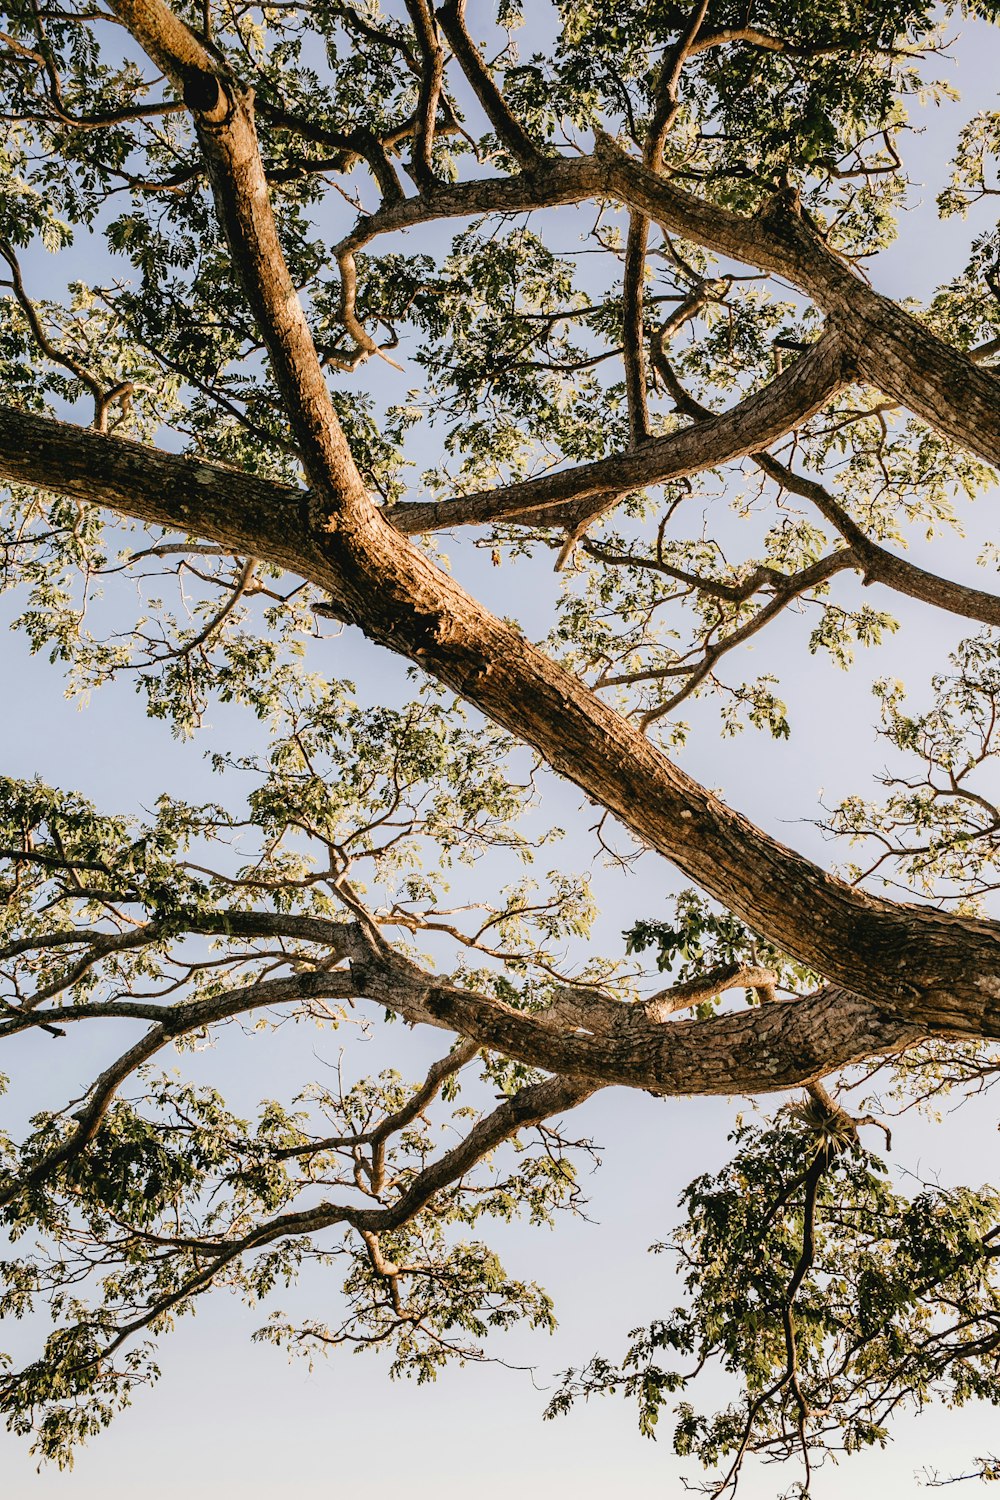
x=451, y=17
x=420, y=612
x=402, y=600
x=896, y=352
x=569, y=496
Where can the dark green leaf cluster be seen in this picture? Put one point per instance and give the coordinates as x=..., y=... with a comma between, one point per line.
x=702, y=938
x=829, y=1298
x=176, y=1194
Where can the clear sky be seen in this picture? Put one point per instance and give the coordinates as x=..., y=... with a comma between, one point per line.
x=232, y=1418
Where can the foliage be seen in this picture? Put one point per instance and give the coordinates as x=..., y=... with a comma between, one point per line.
x=827, y=1298
x=381, y=856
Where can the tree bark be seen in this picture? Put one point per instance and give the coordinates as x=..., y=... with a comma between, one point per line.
x=931, y=969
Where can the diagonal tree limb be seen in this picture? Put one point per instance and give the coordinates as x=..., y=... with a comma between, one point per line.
x=876, y=563
x=570, y=497
x=633, y=288
x=775, y=889
x=34, y=448
x=897, y=353
x=431, y=85
x=402, y=600
x=451, y=19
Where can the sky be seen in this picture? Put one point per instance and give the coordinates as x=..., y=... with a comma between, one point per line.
x=231, y=1418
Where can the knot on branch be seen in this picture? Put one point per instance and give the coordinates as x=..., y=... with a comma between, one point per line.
x=835, y=1128
x=334, y=609
x=584, y=1008
x=606, y=147
x=784, y=204
x=202, y=92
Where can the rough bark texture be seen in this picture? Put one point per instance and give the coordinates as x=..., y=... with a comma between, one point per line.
x=919, y=971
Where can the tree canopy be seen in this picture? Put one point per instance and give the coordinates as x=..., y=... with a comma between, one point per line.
x=297, y=299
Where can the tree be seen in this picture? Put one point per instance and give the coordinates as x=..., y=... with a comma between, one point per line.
x=250, y=172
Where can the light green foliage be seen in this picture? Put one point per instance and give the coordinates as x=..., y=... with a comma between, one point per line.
x=825, y=1294
x=936, y=830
